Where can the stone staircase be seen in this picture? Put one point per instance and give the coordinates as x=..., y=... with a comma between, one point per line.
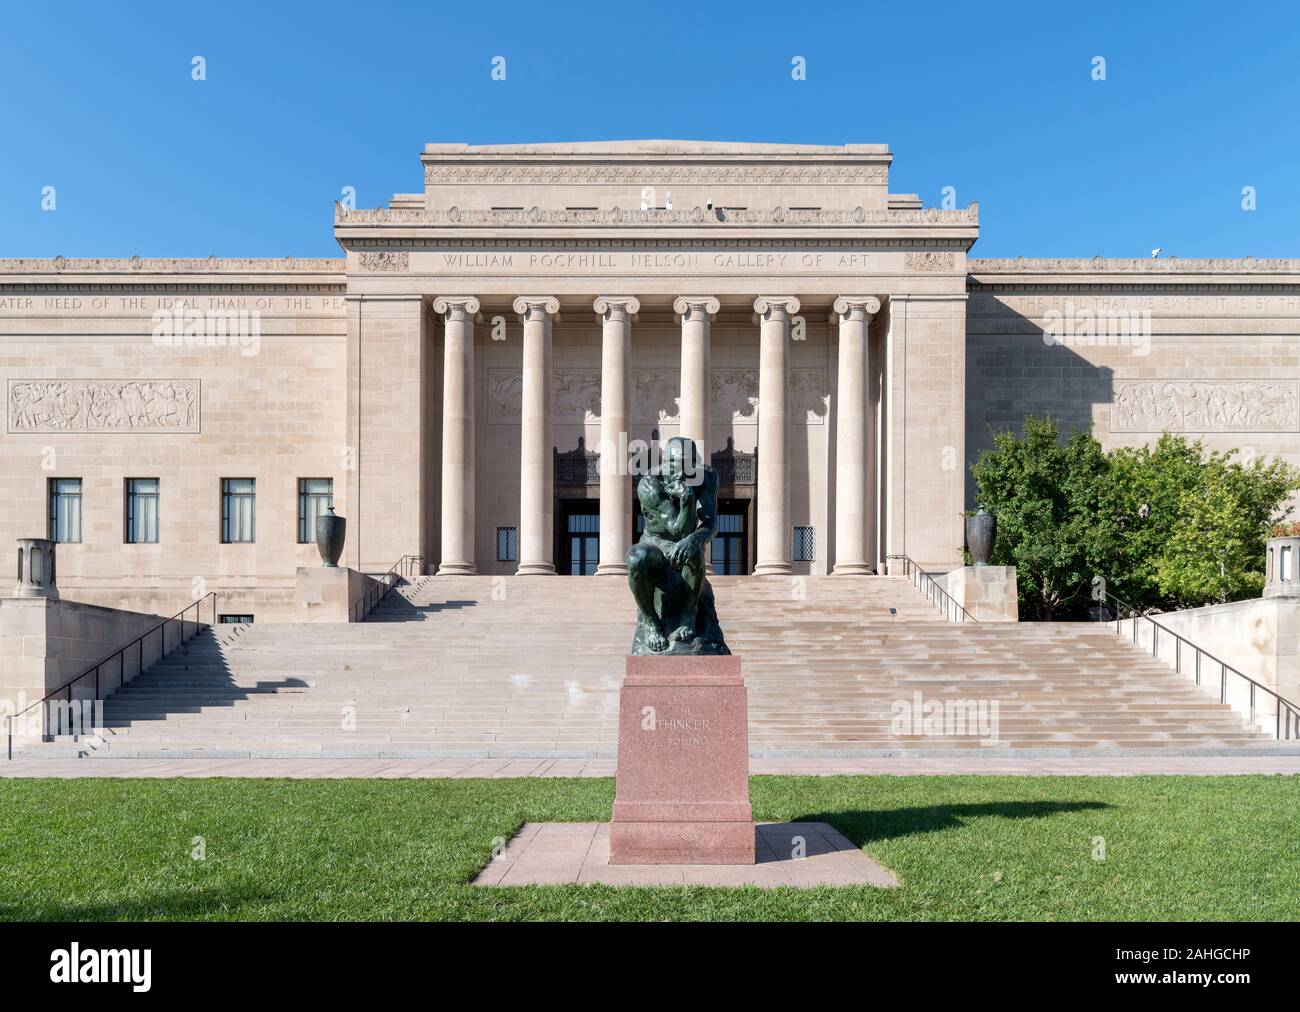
x=532, y=666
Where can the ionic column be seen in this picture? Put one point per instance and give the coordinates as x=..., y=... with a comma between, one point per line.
x=853, y=312
x=696, y=311
x=458, y=314
x=616, y=313
x=773, y=548
x=536, y=438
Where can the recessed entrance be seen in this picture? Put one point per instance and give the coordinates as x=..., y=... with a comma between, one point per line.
x=730, y=548
x=579, y=548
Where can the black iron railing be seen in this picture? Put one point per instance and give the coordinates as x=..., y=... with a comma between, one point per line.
x=121, y=655
x=379, y=587
x=935, y=594
x=1287, y=723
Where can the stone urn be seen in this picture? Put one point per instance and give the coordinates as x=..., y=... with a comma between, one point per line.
x=36, y=571
x=330, y=532
x=981, y=531
x=1280, y=561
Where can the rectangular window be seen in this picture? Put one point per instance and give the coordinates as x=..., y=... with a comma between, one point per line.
x=141, y=511
x=507, y=544
x=234, y=619
x=315, y=496
x=238, y=510
x=65, y=509
x=803, y=544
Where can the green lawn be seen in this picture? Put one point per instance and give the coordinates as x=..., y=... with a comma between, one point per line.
x=964, y=847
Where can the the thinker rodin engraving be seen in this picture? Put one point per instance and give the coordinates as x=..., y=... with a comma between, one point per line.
x=675, y=610
x=104, y=406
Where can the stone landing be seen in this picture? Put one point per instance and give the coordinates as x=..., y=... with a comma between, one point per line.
x=800, y=855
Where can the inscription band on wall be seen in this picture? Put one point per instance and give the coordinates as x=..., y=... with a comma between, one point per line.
x=90, y=406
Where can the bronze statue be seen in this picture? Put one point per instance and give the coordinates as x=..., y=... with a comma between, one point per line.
x=675, y=611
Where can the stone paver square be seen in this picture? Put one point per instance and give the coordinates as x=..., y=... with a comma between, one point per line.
x=801, y=855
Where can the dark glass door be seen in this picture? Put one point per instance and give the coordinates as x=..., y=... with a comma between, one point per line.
x=730, y=549
x=579, y=538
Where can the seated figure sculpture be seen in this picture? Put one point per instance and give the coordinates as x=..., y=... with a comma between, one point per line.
x=675, y=611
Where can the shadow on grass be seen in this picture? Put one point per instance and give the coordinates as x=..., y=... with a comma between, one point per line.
x=863, y=827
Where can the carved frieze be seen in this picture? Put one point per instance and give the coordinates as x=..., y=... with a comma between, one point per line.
x=1249, y=405
x=929, y=261
x=654, y=395
x=90, y=406
x=654, y=175
x=537, y=216
x=1103, y=265
x=385, y=261
x=190, y=265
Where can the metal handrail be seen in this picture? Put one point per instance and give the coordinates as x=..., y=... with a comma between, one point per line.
x=1285, y=730
x=138, y=643
x=935, y=594
x=371, y=596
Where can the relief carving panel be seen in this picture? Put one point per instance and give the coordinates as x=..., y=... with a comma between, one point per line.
x=103, y=406
x=1250, y=405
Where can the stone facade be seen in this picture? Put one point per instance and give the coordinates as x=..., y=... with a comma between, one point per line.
x=774, y=300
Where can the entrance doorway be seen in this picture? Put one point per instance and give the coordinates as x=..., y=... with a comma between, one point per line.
x=730, y=548
x=579, y=537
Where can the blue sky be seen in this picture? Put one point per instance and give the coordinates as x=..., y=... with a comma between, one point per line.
x=996, y=100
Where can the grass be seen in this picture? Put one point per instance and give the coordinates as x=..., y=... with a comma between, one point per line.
x=966, y=848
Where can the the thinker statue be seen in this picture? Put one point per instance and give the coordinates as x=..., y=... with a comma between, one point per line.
x=675, y=612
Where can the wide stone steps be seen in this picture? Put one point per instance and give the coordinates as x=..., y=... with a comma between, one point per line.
x=479, y=665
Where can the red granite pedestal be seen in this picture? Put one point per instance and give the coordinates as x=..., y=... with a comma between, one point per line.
x=683, y=764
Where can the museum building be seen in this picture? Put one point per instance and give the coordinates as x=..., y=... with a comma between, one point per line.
x=473, y=381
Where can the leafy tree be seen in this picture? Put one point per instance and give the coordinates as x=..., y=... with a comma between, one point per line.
x=1040, y=491
x=1214, y=553
x=1169, y=525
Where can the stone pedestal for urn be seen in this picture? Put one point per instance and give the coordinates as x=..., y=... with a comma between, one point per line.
x=36, y=569
x=683, y=764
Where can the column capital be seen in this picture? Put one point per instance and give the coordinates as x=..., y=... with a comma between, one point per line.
x=855, y=307
x=774, y=306
x=694, y=306
x=537, y=307
x=617, y=306
x=456, y=307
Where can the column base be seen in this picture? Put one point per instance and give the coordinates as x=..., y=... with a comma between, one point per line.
x=535, y=569
x=611, y=569
x=457, y=569
x=774, y=569
x=852, y=569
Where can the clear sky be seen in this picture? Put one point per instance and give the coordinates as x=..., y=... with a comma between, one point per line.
x=1199, y=100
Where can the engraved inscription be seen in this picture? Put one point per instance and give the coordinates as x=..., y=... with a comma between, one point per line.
x=103, y=405
x=1205, y=406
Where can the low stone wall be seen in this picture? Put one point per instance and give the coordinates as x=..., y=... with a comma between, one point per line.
x=44, y=644
x=1260, y=638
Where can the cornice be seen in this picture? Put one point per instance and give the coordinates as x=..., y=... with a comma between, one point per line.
x=1157, y=267
x=197, y=265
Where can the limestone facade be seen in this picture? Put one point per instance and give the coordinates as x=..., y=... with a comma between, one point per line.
x=830, y=340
